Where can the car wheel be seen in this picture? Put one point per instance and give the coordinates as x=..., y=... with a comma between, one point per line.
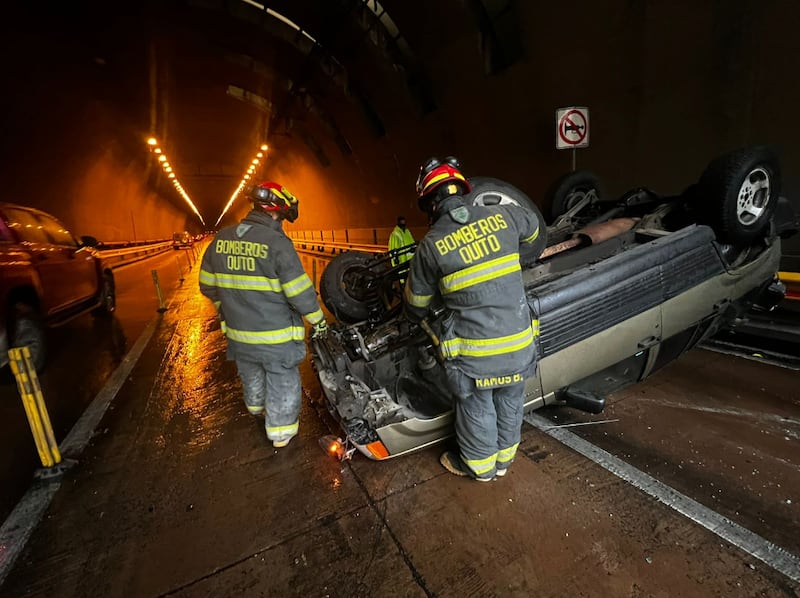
x=345, y=286
x=487, y=191
x=568, y=190
x=739, y=193
x=108, y=296
x=27, y=330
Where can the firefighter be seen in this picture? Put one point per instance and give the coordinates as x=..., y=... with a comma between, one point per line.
x=469, y=263
x=400, y=237
x=253, y=275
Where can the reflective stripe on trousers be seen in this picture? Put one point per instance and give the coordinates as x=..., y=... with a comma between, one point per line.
x=488, y=423
x=278, y=389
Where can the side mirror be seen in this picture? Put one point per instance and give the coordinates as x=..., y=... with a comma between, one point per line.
x=88, y=241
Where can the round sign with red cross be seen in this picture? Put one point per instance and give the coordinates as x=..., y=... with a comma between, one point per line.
x=572, y=127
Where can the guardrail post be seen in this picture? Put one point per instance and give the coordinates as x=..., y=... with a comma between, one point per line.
x=35, y=409
x=161, y=307
x=374, y=236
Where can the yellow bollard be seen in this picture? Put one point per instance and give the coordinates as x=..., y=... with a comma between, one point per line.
x=161, y=306
x=35, y=409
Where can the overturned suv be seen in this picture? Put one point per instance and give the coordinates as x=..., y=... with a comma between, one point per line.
x=620, y=289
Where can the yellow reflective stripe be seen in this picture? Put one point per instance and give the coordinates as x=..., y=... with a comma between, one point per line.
x=535, y=327
x=207, y=277
x=417, y=300
x=267, y=337
x=533, y=237
x=315, y=316
x=241, y=281
x=506, y=455
x=444, y=175
x=480, y=273
x=482, y=466
x=487, y=347
x=255, y=409
x=297, y=286
x=277, y=430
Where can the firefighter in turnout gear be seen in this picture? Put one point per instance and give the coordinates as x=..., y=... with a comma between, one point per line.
x=469, y=263
x=401, y=237
x=253, y=275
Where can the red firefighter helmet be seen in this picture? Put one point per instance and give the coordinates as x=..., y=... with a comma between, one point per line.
x=273, y=197
x=435, y=173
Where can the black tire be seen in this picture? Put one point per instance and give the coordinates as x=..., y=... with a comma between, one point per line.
x=738, y=193
x=27, y=330
x=108, y=297
x=339, y=288
x=569, y=189
x=487, y=191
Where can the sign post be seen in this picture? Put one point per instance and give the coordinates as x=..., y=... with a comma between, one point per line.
x=572, y=129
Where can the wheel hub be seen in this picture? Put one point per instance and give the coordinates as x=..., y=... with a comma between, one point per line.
x=753, y=196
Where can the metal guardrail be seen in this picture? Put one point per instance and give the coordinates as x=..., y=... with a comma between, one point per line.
x=370, y=240
x=331, y=247
x=123, y=256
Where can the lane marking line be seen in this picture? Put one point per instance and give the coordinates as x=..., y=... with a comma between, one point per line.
x=22, y=521
x=770, y=554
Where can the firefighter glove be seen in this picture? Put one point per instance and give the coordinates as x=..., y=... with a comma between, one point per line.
x=320, y=329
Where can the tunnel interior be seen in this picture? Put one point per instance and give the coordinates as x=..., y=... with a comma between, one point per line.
x=351, y=96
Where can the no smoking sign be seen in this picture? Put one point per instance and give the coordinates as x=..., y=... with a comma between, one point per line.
x=572, y=127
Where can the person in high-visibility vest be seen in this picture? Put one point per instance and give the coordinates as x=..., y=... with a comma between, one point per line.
x=469, y=262
x=401, y=237
x=252, y=273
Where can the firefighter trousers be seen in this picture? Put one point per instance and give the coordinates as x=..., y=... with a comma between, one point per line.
x=277, y=389
x=488, y=423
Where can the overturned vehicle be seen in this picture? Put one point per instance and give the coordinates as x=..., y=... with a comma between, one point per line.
x=620, y=288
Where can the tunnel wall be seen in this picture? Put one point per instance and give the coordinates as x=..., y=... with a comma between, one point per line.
x=74, y=133
x=669, y=86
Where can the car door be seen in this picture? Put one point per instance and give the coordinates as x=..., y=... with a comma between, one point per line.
x=589, y=321
x=32, y=238
x=71, y=266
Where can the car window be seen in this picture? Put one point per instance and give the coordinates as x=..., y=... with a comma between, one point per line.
x=5, y=234
x=25, y=224
x=56, y=230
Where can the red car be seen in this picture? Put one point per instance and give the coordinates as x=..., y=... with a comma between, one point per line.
x=47, y=277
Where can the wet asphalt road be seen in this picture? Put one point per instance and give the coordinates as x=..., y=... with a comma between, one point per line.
x=82, y=354
x=179, y=494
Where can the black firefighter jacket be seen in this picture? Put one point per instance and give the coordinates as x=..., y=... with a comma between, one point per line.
x=469, y=260
x=253, y=275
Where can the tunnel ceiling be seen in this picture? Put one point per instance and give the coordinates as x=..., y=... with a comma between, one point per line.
x=213, y=80
x=234, y=74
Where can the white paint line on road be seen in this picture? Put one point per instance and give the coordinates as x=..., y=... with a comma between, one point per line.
x=781, y=360
x=18, y=527
x=767, y=418
x=772, y=555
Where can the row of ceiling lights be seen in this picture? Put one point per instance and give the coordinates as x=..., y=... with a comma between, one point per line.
x=251, y=170
x=152, y=143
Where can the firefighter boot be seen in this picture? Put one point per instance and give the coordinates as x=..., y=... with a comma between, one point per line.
x=452, y=462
